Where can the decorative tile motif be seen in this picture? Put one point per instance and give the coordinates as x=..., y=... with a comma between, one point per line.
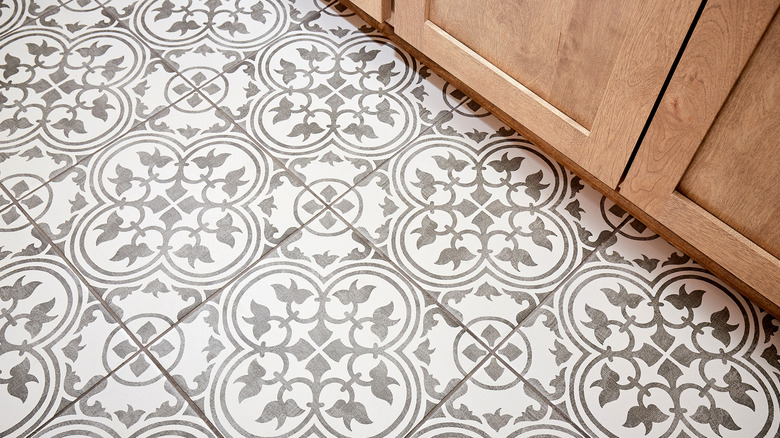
x=56, y=340
x=321, y=338
x=206, y=37
x=136, y=400
x=645, y=342
x=71, y=82
x=160, y=220
x=494, y=403
x=335, y=100
x=15, y=13
x=482, y=218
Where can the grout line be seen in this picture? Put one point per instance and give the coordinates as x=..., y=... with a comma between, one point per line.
x=84, y=393
x=541, y=397
x=591, y=256
x=409, y=278
x=187, y=399
x=99, y=298
x=221, y=289
x=447, y=396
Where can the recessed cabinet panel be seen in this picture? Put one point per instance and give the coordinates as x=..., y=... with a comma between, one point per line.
x=580, y=76
x=563, y=51
x=735, y=174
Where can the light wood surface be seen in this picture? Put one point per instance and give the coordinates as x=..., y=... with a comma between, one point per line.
x=723, y=41
x=379, y=10
x=735, y=174
x=637, y=68
x=562, y=51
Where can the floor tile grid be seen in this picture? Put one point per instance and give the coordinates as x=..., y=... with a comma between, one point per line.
x=491, y=351
x=338, y=198
x=593, y=256
x=107, y=10
x=96, y=151
x=15, y=202
x=111, y=142
x=86, y=392
x=142, y=348
x=454, y=390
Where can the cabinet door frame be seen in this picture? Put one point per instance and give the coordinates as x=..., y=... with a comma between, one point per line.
x=605, y=149
x=720, y=47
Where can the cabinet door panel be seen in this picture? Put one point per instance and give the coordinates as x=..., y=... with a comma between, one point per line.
x=707, y=167
x=563, y=51
x=735, y=174
x=581, y=75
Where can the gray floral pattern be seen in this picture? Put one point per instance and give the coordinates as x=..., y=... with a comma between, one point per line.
x=262, y=218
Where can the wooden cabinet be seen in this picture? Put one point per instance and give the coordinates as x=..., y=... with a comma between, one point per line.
x=379, y=10
x=708, y=168
x=671, y=108
x=582, y=76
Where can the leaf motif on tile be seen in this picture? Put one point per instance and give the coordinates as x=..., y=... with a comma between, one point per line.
x=129, y=416
x=610, y=388
x=280, y=411
x=355, y=294
x=715, y=417
x=721, y=329
x=292, y=293
x=259, y=320
x=20, y=376
x=622, y=298
x=516, y=256
x=683, y=299
x=456, y=256
x=349, y=411
x=192, y=253
x=381, y=383
x=251, y=381
x=599, y=323
x=644, y=415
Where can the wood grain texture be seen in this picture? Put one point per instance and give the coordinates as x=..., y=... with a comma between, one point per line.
x=735, y=174
x=720, y=46
x=562, y=51
x=653, y=34
x=379, y=10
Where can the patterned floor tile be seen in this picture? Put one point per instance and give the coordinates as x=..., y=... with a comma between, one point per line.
x=644, y=342
x=71, y=82
x=56, y=340
x=495, y=403
x=136, y=400
x=334, y=100
x=482, y=218
x=15, y=13
x=201, y=39
x=321, y=338
x=163, y=217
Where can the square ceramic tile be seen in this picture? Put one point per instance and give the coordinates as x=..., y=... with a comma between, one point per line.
x=334, y=100
x=645, y=342
x=481, y=218
x=56, y=339
x=495, y=403
x=72, y=82
x=136, y=400
x=203, y=38
x=165, y=217
x=321, y=338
